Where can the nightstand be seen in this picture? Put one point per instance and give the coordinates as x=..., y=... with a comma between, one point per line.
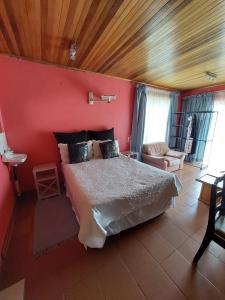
x=46, y=181
x=130, y=154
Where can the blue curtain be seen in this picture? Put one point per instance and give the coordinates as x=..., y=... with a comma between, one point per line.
x=138, y=122
x=172, y=120
x=199, y=103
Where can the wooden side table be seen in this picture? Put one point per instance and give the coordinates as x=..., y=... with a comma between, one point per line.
x=46, y=181
x=207, y=181
x=130, y=154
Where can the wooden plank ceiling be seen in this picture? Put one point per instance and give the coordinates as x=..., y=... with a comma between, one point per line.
x=169, y=43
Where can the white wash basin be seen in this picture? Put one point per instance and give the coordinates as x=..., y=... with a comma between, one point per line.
x=13, y=159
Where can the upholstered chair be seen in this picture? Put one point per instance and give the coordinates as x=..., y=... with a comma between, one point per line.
x=159, y=155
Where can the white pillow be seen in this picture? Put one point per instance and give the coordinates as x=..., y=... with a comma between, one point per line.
x=97, y=150
x=64, y=152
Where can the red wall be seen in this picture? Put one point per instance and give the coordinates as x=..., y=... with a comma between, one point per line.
x=7, y=200
x=203, y=90
x=38, y=99
x=211, y=89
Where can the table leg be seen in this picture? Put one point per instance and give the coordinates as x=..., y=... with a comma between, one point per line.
x=205, y=193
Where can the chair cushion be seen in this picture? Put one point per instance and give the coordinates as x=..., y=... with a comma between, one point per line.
x=159, y=148
x=220, y=226
x=172, y=161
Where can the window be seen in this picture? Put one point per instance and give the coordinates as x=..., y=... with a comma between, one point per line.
x=157, y=110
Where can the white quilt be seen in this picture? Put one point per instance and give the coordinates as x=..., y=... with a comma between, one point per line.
x=103, y=191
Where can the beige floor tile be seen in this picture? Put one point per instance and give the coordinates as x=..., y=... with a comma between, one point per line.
x=210, y=266
x=213, y=248
x=199, y=235
x=47, y=288
x=157, y=246
x=87, y=289
x=139, y=263
x=189, y=249
x=192, y=219
x=222, y=256
x=93, y=261
x=116, y=282
x=192, y=283
x=149, y=275
x=173, y=234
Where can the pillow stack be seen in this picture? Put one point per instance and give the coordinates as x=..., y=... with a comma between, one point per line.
x=65, y=154
x=82, y=146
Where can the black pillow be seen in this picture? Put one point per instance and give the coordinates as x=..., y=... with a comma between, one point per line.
x=109, y=149
x=101, y=135
x=78, y=152
x=71, y=137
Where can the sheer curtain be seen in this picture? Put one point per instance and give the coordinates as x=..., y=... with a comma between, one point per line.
x=217, y=157
x=156, y=117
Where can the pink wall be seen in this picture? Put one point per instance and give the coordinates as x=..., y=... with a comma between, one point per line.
x=7, y=200
x=38, y=99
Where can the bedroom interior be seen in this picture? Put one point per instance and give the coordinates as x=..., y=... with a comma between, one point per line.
x=112, y=149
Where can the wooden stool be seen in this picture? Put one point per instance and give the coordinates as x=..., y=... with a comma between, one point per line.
x=46, y=180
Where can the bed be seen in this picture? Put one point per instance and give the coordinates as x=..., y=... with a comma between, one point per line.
x=111, y=195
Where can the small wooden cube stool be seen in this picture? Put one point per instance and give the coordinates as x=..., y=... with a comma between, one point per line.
x=46, y=181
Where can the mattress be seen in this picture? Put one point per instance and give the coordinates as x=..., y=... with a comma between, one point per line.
x=110, y=195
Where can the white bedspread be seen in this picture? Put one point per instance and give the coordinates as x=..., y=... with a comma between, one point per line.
x=103, y=191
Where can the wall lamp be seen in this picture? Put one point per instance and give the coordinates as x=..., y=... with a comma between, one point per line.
x=103, y=98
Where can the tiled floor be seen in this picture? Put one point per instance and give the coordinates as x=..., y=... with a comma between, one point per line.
x=151, y=261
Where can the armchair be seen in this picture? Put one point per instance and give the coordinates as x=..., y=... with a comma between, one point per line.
x=160, y=156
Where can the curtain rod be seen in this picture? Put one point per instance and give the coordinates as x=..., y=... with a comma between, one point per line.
x=216, y=92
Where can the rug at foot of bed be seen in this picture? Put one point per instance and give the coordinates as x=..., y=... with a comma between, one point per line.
x=54, y=223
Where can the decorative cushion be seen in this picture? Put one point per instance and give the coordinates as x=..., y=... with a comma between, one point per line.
x=90, y=149
x=109, y=149
x=78, y=152
x=70, y=137
x=96, y=147
x=64, y=152
x=101, y=135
